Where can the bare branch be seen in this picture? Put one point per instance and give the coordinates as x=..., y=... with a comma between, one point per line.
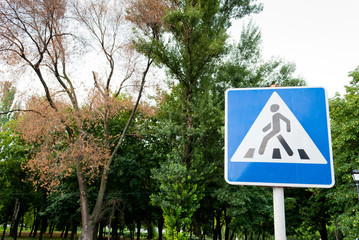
x=96, y=84
x=21, y=110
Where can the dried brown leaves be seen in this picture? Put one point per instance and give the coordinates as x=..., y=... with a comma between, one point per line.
x=147, y=14
x=102, y=104
x=23, y=18
x=63, y=140
x=59, y=143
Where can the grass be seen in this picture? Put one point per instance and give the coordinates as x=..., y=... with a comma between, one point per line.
x=25, y=236
x=55, y=236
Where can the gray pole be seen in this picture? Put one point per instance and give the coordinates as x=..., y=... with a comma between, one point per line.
x=279, y=213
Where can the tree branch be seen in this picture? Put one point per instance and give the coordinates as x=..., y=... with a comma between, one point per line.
x=21, y=110
x=104, y=178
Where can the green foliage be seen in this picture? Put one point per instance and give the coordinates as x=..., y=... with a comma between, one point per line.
x=15, y=191
x=63, y=208
x=178, y=154
x=130, y=184
x=7, y=98
x=244, y=66
x=250, y=208
x=178, y=196
x=344, y=114
x=12, y=155
x=190, y=123
x=196, y=39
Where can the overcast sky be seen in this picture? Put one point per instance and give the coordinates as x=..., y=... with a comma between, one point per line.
x=320, y=36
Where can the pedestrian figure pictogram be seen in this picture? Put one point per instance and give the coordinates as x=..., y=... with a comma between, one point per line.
x=275, y=125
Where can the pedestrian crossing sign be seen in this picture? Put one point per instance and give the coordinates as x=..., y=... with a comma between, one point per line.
x=278, y=137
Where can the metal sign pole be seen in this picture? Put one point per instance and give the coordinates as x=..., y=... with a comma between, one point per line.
x=279, y=213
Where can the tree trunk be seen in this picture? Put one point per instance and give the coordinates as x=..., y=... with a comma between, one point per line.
x=115, y=227
x=36, y=226
x=5, y=226
x=95, y=231
x=336, y=229
x=228, y=221
x=233, y=232
x=149, y=230
x=197, y=225
x=73, y=230
x=62, y=232
x=43, y=227
x=132, y=233
x=32, y=228
x=190, y=231
x=100, y=232
x=88, y=233
x=160, y=227
x=21, y=224
x=149, y=221
x=226, y=232
x=15, y=219
x=66, y=231
x=217, y=229
x=88, y=221
x=138, y=229
x=323, y=231
x=122, y=228
x=204, y=233
x=52, y=228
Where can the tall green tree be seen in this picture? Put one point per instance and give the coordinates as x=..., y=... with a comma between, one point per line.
x=192, y=118
x=196, y=39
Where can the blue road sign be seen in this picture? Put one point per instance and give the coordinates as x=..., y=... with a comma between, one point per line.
x=278, y=137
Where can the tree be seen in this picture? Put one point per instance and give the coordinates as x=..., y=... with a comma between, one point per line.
x=14, y=192
x=197, y=34
x=62, y=211
x=130, y=177
x=344, y=116
x=192, y=116
x=40, y=35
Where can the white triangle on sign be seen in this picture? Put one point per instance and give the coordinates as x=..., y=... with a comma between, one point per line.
x=277, y=136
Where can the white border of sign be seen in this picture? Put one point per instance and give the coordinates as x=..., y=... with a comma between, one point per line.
x=278, y=184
